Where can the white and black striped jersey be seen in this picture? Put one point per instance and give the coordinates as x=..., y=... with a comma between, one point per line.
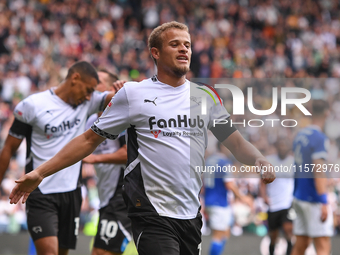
x=109, y=175
x=49, y=123
x=166, y=139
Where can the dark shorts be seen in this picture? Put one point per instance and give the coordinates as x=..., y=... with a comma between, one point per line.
x=114, y=227
x=276, y=219
x=54, y=214
x=156, y=235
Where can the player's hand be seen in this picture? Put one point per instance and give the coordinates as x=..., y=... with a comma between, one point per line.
x=90, y=159
x=268, y=174
x=25, y=185
x=117, y=85
x=324, y=213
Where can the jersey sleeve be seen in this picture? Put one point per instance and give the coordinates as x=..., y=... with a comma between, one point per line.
x=115, y=119
x=91, y=120
x=219, y=123
x=24, y=114
x=25, y=111
x=320, y=147
x=97, y=102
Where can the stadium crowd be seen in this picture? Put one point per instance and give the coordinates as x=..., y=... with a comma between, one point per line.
x=40, y=40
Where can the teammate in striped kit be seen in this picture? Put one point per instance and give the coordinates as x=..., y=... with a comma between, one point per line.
x=49, y=120
x=109, y=159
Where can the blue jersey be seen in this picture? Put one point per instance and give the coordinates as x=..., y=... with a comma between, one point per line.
x=309, y=144
x=215, y=190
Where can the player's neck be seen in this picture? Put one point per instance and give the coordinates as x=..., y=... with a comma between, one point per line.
x=320, y=122
x=62, y=92
x=171, y=80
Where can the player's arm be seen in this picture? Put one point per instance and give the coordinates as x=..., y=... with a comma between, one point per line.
x=320, y=181
x=320, y=178
x=10, y=147
x=18, y=131
x=74, y=151
x=263, y=192
x=117, y=157
x=247, y=154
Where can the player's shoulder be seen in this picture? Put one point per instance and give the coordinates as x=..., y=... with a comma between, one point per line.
x=317, y=134
x=311, y=132
x=37, y=95
x=131, y=84
x=27, y=109
x=199, y=89
x=140, y=84
x=34, y=100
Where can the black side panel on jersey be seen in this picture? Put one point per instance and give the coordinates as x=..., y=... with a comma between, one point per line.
x=117, y=197
x=122, y=140
x=80, y=177
x=21, y=129
x=132, y=146
x=133, y=191
x=223, y=131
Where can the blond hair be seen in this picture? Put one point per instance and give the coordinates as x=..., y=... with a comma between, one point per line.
x=155, y=38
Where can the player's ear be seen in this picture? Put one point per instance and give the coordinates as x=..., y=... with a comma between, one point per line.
x=155, y=53
x=75, y=77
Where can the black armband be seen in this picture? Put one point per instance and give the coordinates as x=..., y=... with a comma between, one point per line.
x=223, y=130
x=20, y=129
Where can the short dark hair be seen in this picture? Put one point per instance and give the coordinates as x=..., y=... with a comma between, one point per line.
x=112, y=76
x=85, y=69
x=155, y=38
x=319, y=107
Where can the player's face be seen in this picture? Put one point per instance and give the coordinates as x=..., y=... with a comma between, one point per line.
x=104, y=83
x=175, y=53
x=82, y=90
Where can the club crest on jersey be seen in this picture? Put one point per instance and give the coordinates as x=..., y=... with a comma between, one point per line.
x=196, y=100
x=155, y=133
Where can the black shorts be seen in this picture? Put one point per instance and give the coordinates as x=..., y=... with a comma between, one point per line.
x=114, y=227
x=276, y=219
x=156, y=235
x=54, y=214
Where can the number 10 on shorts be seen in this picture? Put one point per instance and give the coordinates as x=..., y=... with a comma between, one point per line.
x=109, y=228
